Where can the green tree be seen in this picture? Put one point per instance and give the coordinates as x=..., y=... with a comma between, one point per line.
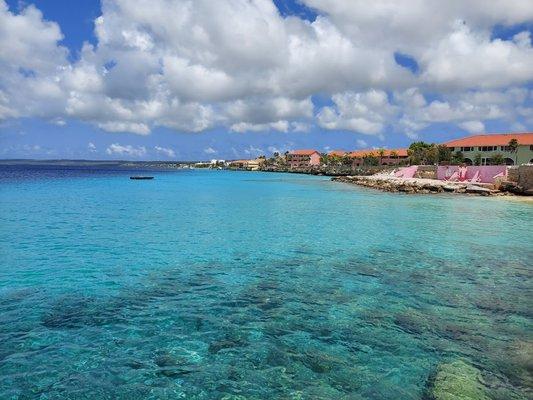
x=458, y=158
x=513, y=148
x=346, y=159
x=420, y=152
x=477, y=159
x=370, y=160
x=381, y=154
x=394, y=155
x=432, y=154
x=498, y=159
x=444, y=154
x=335, y=160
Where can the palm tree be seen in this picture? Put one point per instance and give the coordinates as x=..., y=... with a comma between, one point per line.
x=394, y=155
x=381, y=153
x=513, y=148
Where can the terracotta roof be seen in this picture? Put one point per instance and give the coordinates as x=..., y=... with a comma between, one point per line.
x=375, y=152
x=495, y=139
x=303, y=152
x=337, y=153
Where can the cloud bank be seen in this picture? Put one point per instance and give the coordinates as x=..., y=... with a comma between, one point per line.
x=238, y=64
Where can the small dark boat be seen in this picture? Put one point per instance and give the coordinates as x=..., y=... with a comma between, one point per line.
x=141, y=177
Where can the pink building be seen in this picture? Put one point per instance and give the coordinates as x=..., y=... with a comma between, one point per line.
x=303, y=158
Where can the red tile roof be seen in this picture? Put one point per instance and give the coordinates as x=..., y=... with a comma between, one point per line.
x=337, y=153
x=303, y=152
x=375, y=152
x=494, y=139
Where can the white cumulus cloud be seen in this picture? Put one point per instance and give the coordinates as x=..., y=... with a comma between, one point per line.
x=126, y=150
x=240, y=65
x=168, y=152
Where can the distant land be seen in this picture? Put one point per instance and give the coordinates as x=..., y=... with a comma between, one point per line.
x=97, y=163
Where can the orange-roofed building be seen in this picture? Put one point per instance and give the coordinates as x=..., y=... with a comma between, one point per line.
x=487, y=145
x=251, y=165
x=389, y=156
x=303, y=158
x=337, y=153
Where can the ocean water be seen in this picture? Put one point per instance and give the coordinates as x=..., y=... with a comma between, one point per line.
x=243, y=285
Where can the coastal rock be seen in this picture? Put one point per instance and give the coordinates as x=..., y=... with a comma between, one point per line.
x=389, y=183
x=458, y=381
x=433, y=187
x=477, y=190
x=449, y=188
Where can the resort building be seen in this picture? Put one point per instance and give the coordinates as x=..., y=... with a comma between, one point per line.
x=249, y=165
x=388, y=157
x=303, y=158
x=488, y=145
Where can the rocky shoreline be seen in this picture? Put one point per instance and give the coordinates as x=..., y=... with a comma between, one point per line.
x=419, y=185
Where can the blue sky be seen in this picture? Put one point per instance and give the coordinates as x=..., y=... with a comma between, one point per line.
x=151, y=83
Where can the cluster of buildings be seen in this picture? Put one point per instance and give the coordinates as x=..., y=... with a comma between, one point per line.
x=308, y=158
x=250, y=165
x=486, y=145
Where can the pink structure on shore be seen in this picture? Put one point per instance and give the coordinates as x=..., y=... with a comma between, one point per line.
x=407, y=172
x=303, y=158
x=483, y=174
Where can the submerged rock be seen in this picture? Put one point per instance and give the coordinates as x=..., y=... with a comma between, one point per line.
x=320, y=362
x=215, y=347
x=517, y=362
x=171, y=366
x=458, y=381
x=410, y=322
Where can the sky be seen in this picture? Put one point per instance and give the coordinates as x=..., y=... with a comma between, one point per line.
x=227, y=79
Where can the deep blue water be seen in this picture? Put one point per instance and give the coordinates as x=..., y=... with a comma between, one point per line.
x=213, y=284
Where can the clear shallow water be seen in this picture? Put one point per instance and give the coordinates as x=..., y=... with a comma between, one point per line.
x=207, y=285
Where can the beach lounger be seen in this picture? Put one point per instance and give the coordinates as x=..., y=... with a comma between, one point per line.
x=454, y=177
x=476, y=177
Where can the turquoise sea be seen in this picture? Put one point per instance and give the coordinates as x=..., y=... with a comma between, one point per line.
x=243, y=285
